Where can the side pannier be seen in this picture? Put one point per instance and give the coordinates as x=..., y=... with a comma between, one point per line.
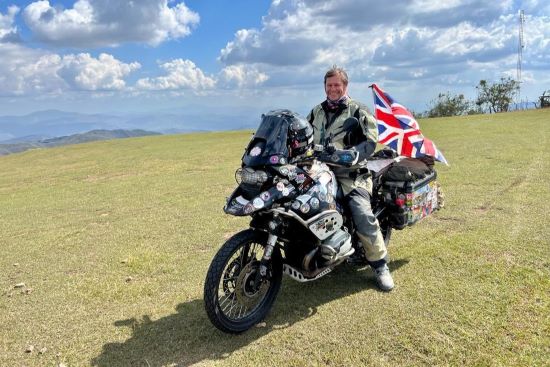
x=411, y=189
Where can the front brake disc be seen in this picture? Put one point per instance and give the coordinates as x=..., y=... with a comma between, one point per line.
x=246, y=294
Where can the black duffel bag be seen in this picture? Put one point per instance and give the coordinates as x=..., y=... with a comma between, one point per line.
x=408, y=169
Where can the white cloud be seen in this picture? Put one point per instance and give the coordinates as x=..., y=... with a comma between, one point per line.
x=541, y=7
x=25, y=71
x=536, y=54
x=416, y=46
x=451, y=13
x=431, y=6
x=425, y=47
x=442, y=43
x=269, y=47
x=241, y=76
x=8, y=32
x=181, y=74
x=184, y=74
x=96, y=23
x=87, y=73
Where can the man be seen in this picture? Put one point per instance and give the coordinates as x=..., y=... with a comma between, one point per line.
x=327, y=120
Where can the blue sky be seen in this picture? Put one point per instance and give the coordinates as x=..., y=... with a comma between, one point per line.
x=232, y=57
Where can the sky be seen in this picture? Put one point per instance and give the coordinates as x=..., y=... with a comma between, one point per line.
x=229, y=57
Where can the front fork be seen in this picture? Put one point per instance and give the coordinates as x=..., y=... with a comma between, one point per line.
x=271, y=242
x=268, y=251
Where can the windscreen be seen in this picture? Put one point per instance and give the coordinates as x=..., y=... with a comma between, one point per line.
x=269, y=144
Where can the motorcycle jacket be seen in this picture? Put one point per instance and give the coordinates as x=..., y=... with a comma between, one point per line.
x=328, y=124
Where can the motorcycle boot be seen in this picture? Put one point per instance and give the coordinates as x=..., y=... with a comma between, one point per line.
x=383, y=277
x=376, y=254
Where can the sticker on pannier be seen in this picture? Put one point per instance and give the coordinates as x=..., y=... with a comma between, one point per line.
x=413, y=200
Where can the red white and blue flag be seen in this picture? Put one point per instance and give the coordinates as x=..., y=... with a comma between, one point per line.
x=398, y=129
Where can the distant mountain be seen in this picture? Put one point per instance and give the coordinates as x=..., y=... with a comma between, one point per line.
x=57, y=123
x=50, y=123
x=21, y=145
x=25, y=139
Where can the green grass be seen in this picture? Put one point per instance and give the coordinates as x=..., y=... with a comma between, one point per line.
x=114, y=238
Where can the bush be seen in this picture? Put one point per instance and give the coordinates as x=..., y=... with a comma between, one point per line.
x=497, y=96
x=447, y=105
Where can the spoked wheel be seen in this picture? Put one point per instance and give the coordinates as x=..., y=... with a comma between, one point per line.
x=236, y=296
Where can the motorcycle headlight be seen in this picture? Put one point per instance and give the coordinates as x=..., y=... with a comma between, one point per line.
x=251, y=177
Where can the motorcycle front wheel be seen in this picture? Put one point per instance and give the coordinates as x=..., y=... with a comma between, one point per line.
x=233, y=298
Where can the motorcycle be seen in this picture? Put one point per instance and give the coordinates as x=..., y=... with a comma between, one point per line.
x=299, y=226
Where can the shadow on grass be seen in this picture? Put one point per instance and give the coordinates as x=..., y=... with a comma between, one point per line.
x=188, y=337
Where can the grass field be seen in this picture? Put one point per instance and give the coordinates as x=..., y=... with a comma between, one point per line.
x=108, y=244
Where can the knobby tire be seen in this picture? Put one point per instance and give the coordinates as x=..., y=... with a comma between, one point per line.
x=216, y=273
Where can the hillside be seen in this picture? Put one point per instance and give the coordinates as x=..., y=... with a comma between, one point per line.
x=62, y=123
x=20, y=145
x=105, y=246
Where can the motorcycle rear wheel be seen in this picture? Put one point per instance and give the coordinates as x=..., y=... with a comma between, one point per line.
x=232, y=302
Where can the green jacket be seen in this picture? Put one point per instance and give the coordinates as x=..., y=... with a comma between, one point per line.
x=328, y=122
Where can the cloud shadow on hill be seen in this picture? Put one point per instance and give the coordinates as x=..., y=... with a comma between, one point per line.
x=187, y=336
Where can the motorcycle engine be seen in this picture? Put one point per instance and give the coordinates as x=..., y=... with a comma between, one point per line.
x=336, y=246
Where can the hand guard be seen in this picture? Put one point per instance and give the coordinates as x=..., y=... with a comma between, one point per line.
x=337, y=157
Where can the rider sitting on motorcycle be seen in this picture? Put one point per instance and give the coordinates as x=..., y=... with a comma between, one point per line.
x=327, y=120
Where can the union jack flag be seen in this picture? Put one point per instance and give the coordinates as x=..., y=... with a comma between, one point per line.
x=398, y=129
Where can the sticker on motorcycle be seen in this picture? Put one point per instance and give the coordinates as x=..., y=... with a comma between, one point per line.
x=314, y=203
x=241, y=200
x=256, y=151
x=313, y=190
x=258, y=203
x=249, y=208
x=304, y=198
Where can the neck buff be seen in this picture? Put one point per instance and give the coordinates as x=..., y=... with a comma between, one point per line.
x=334, y=104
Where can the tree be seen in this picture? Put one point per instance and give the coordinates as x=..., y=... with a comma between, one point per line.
x=497, y=96
x=447, y=105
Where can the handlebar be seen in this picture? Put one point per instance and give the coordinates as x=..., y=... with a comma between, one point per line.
x=329, y=154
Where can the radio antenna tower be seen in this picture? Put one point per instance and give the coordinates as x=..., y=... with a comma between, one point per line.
x=521, y=46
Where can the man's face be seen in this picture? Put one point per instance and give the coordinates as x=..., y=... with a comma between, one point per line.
x=335, y=88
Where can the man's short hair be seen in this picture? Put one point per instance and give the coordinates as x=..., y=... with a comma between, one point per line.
x=337, y=71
